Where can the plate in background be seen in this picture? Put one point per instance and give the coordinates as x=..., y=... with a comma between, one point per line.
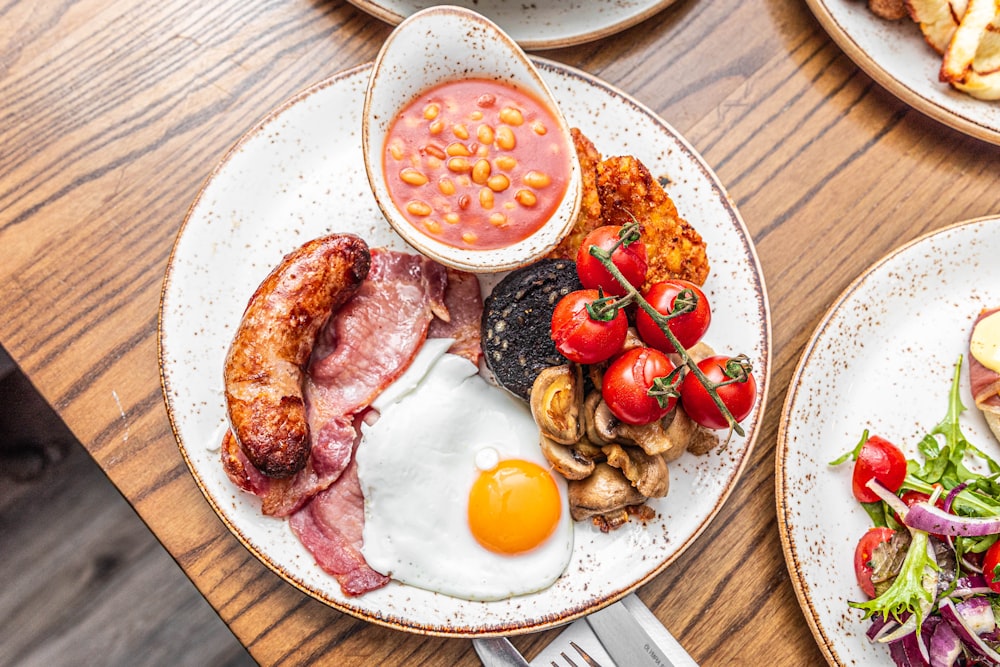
x=895, y=54
x=881, y=359
x=542, y=24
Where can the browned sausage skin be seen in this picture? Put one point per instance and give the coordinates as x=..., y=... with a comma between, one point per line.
x=267, y=360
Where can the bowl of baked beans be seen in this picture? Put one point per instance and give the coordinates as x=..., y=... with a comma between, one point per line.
x=469, y=158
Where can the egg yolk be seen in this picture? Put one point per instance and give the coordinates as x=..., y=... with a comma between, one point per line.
x=514, y=507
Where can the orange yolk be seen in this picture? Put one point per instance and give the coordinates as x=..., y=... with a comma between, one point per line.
x=514, y=507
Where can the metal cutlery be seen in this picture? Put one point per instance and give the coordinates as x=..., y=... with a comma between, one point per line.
x=624, y=634
x=498, y=652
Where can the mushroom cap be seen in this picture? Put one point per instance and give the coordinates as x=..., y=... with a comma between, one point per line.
x=604, y=490
x=566, y=460
x=556, y=402
x=648, y=473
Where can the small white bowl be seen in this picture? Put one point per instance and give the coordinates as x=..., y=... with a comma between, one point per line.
x=433, y=46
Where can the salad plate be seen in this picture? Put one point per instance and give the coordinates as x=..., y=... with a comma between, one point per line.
x=895, y=54
x=298, y=175
x=550, y=24
x=882, y=359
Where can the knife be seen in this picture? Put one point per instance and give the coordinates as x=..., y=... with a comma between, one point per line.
x=498, y=652
x=620, y=627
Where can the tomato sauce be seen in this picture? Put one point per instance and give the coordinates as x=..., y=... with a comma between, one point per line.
x=476, y=163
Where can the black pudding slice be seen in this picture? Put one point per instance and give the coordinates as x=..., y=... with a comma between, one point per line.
x=517, y=320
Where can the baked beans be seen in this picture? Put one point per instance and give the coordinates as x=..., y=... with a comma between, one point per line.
x=464, y=151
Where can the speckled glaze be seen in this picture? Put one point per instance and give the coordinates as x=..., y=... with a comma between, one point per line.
x=444, y=44
x=296, y=176
x=881, y=359
x=895, y=54
x=549, y=24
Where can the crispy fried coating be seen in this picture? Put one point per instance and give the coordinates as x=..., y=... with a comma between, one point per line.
x=590, y=205
x=628, y=191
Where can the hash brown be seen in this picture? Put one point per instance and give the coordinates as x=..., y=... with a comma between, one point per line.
x=674, y=249
x=589, y=217
x=618, y=190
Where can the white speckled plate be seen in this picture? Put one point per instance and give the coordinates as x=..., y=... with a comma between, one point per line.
x=299, y=174
x=542, y=24
x=895, y=54
x=881, y=359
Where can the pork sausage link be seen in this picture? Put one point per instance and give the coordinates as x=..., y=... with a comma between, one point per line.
x=267, y=360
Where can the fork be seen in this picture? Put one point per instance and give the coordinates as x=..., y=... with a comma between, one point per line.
x=499, y=651
x=570, y=662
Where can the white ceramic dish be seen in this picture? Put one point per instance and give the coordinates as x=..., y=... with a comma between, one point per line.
x=548, y=24
x=296, y=176
x=897, y=57
x=432, y=47
x=881, y=359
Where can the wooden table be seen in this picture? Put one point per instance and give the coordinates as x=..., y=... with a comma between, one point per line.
x=115, y=112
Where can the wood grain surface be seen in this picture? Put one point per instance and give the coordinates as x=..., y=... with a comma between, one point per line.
x=115, y=112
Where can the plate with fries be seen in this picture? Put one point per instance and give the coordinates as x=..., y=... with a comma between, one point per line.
x=942, y=57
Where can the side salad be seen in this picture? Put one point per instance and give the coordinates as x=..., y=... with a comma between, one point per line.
x=930, y=563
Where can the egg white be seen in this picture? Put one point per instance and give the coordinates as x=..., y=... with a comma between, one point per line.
x=417, y=463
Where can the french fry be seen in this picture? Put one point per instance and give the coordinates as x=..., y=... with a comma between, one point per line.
x=964, y=43
x=938, y=20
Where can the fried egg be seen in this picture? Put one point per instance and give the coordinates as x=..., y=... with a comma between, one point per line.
x=458, y=497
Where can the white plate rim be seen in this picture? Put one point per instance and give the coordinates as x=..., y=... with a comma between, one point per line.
x=826, y=637
x=536, y=33
x=945, y=105
x=742, y=453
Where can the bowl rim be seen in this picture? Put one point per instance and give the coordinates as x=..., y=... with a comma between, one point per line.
x=494, y=260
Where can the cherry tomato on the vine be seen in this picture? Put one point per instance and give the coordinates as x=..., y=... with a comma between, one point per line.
x=990, y=563
x=627, y=381
x=629, y=259
x=688, y=328
x=581, y=338
x=863, y=556
x=738, y=397
x=881, y=460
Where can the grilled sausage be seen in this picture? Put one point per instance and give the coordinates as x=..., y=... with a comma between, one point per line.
x=267, y=360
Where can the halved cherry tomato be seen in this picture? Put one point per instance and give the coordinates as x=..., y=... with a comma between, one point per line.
x=990, y=562
x=629, y=259
x=581, y=338
x=881, y=460
x=687, y=328
x=627, y=381
x=738, y=397
x=863, y=556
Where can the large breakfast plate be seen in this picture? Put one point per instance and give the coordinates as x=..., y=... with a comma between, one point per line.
x=298, y=175
x=882, y=359
x=546, y=24
x=895, y=54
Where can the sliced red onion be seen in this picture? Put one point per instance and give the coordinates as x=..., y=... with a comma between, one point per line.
x=928, y=518
x=890, y=498
x=970, y=638
x=967, y=564
x=916, y=651
x=974, y=584
x=881, y=625
x=905, y=629
x=945, y=646
x=898, y=654
x=977, y=614
x=950, y=498
x=909, y=652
